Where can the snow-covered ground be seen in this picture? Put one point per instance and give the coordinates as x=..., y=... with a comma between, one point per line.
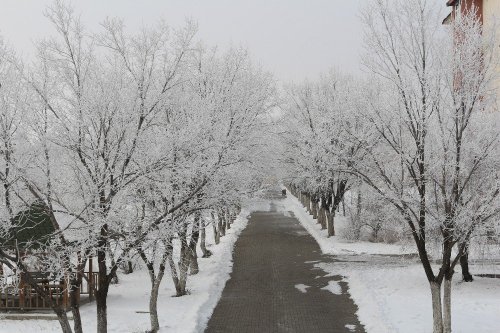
x=128, y=300
x=392, y=292
x=336, y=245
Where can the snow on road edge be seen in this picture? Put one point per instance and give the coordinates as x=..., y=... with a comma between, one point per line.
x=395, y=297
x=223, y=265
x=336, y=245
x=369, y=312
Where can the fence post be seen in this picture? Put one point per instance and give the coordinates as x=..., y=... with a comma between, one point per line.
x=21, y=292
x=65, y=286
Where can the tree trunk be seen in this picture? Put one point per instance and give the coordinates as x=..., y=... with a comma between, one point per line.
x=227, y=219
x=464, y=263
x=129, y=268
x=322, y=213
x=314, y=207
x=308, y=203
x=153, y=298
x=156, y=281
x=447, y=305
x=184, y=264
x=343, y=206
x=193, y=262
x=57, y=308
x=437, y=314
x=63, y=320
x=75, y=305
x=102, y=282
x=319, y=215
x=330, y=220
x=180, y=287
x=222, y=224
x=153, y=307
x=114, y=279
x=102, y=309
x=358, y=204
x=216, y=232
x=193, y=242
x=206, y=253
x=318, y=218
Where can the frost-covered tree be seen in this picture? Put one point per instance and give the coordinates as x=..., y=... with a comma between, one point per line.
x=430, y=144
x=25, y=175
x=318, y=122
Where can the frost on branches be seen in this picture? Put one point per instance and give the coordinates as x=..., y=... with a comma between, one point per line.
x=434, y=152
x=130, y=145
x=421, y=133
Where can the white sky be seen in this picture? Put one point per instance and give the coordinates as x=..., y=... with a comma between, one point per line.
x=295, y=39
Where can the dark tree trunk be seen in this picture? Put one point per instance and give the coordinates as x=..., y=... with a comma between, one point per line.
x=227, y=219
x=155, y=284
x=178, y=279
x=222, y=224
x=184, y=264
x=75, y=304
x=314, y=208
x=322, y=217
x=101, y=298
x=193, y=242
x=114, y=278
x=464, y=262
x=330, y=218
x=153, y=307
x=63, y=320
x=308, y=203
x=103, y=282
x=129, y=268
x=206, y=253
x=214, y=226
x=326, y=202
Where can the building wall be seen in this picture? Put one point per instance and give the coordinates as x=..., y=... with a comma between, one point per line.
x=461, y=6
x=469, y=4
x=491, y=8
x=491, y=14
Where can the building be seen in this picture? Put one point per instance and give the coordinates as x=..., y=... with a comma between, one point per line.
x=460, y=6
x=488, y=12
x=32, y=229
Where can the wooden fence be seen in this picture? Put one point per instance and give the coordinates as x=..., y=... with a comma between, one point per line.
x=25, y=297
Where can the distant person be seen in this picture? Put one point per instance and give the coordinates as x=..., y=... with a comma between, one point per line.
x=283, y=192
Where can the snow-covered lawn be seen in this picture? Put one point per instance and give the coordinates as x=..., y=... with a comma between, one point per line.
x=128, y=300
x=397, y=299
x=336, y=245
x=393, y=294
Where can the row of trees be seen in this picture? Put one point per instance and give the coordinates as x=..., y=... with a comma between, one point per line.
x=421, y=133
x=131, y=143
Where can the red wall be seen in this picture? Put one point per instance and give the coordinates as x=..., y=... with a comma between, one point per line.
x=466, y=5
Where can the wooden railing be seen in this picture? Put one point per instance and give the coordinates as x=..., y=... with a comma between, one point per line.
x=89, y=283
x=25, y=297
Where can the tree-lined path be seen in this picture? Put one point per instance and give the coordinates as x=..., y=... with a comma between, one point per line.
x=274, y=258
